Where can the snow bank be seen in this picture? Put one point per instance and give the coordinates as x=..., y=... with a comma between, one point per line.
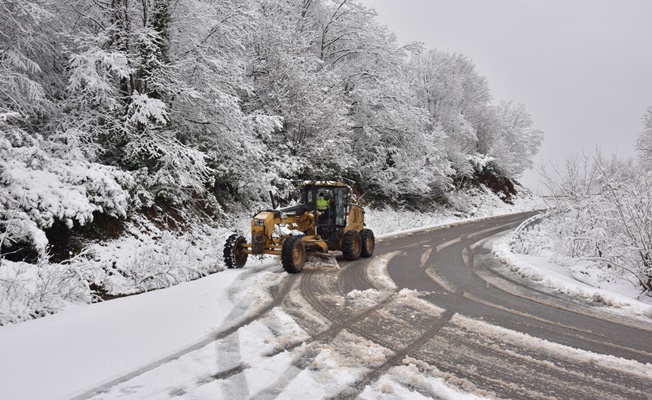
x=137, y=262
x=582, y=280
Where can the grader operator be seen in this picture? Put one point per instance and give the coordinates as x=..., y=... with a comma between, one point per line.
x=323, y=220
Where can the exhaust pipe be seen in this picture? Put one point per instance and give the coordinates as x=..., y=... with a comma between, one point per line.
x=271, y=197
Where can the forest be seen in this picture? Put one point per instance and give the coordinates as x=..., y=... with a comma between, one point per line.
x=171, y=100
x=135, y=133
x=175, y=112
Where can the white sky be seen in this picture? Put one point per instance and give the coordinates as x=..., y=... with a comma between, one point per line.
x=583, y=68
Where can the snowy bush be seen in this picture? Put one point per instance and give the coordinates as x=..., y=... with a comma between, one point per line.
x=28, y=291
x=147, y=258
x=39, y=189
x=602, y=213
x=472, y=201
x=138, y=264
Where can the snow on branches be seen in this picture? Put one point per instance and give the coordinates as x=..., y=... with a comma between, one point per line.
x=602, y=212
x=133, y=105
x=39, y=189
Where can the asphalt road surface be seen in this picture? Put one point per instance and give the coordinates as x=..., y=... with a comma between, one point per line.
x=489, y=332
x=440, y=301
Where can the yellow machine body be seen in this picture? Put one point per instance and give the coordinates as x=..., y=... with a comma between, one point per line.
x=268, y=238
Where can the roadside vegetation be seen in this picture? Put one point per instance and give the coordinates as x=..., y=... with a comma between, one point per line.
x=601, y=213
x=154, y=125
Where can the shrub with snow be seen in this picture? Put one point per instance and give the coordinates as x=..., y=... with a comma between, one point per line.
x=39, y=189
x=602, y=213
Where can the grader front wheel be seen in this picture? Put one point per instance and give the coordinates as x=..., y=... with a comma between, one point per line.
x=293, y=254
x=234, y=255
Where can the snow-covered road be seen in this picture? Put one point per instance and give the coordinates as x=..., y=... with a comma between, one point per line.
x=352, y=330
x=63, y=354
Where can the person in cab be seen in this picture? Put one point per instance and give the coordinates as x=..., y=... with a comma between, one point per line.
x=323, y=205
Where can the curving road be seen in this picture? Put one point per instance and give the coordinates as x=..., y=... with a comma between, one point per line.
x=434, y=304
x=478, y=328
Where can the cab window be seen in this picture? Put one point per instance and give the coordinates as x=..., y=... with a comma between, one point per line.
x=340, y=207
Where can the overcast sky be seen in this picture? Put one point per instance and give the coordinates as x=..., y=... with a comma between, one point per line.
x=583, y=68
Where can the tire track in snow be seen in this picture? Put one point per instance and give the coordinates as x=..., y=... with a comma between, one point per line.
x=468, y=247
x=512, y=365
x=415, y=332
x=369, y=323
x=278, y=294
x=311, y=283
x=619, y=391
x=400, y=355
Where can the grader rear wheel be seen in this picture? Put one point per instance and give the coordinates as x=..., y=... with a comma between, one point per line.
x=293, y=254
x=368, y=242
x=351, y=245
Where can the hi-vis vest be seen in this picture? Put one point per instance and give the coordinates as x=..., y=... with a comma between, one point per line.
x=322, y=204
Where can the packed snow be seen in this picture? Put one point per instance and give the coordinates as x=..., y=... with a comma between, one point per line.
x=164, y=340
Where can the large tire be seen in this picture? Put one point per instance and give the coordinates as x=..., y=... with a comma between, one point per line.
x=234, y=255
x=368, y=243
x=351, y=245
x=293, y=254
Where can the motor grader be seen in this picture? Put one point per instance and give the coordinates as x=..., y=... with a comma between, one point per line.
x=325, y=219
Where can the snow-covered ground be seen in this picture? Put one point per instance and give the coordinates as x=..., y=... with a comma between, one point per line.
x=64, y=355
x=581, y=280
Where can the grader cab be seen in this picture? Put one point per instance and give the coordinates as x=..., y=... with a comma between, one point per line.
x=323, y=220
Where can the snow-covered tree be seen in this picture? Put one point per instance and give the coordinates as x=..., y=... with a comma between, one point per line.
x=644, y=143
x=456, y=98
x=603, y=213
x=458, y=102
x=19, y=41
x=157, y=86
x=396, y=154
x=290, y=81
x=630, y=220
x=515, y=141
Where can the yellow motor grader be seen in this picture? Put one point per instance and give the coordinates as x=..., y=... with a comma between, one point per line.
x=323, y=220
